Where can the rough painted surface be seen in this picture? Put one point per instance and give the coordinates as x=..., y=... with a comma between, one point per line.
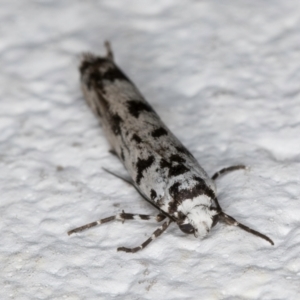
x=224, y=76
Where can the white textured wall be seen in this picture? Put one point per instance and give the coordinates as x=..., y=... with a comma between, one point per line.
x=223, y=75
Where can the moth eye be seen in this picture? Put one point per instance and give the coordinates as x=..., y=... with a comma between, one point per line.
x=187, y=228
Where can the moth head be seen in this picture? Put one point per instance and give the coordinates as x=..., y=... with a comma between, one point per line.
x=198, y=217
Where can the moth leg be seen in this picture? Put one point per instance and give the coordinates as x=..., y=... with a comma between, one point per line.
x=121, y=217
x=157, y=218
x=154, y=235
x=116, y=175
x=128, y=180
x=227, y=170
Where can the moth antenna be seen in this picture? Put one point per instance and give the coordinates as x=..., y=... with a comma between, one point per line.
x=109, y=52
x=231, y=221
x=219, y=209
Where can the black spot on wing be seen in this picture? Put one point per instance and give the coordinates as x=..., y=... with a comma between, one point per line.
x=115, y=123
x=173, y=207
x=136, y=138
x=183, y=150
x=174, y=169
x=153, y=194
x=159, y=132
x=164, y=164
x=94, y=78
x=84, y=66
x=174, y=190
x=177, y=158
x=177, y=170
x=114, y=73
x=135, y=107
x=91, y=62
x=200, y=188
x=207, y=191
x=142, y=165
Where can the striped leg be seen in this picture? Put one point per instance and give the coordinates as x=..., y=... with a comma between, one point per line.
x=226, y=170
x=122, y=217
x=154, y=235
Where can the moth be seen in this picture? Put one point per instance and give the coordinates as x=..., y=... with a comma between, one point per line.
x=161, y=169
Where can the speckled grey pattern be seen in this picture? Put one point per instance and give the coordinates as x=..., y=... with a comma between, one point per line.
x=224, y=77
x=163, y=171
